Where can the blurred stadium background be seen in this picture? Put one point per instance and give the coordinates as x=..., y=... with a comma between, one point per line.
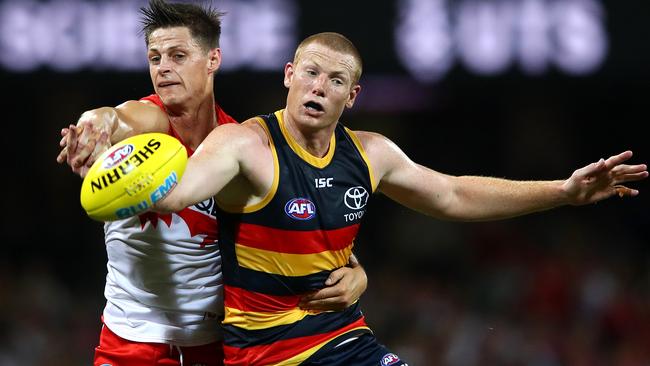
x=524, y=89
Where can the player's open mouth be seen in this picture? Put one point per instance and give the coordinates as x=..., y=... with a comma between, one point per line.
x=165, y=84
x=313, y=106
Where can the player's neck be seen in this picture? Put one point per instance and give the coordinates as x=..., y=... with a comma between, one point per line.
x=316, y=141
x=194, y=123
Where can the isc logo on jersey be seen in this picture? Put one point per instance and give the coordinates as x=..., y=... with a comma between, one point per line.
x=300, y=209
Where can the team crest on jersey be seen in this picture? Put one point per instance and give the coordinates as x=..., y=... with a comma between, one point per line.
x=389, y=359
x=300, y=209
x=117, y=156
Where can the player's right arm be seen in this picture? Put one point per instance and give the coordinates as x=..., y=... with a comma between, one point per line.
x=229, y=151
x=97, y=129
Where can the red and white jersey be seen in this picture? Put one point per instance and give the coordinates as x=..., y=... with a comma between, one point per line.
x=164, y=279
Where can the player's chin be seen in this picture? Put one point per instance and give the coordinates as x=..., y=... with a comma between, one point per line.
x=169, y=97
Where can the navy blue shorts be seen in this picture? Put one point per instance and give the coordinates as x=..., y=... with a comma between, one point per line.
x=346, y=350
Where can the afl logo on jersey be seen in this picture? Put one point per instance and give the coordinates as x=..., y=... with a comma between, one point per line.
x=117, y=156
x=356, y=198
x=300, y=209
x=389, y=359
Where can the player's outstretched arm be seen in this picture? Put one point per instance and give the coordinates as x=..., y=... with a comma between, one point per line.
x=475, y=198
x=213, y=165
x=97, y=129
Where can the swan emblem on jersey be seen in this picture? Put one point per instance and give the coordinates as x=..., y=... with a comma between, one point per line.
x=300, y=209
x=199, y=222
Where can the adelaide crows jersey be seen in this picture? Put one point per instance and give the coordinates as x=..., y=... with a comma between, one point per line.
x=288, y=244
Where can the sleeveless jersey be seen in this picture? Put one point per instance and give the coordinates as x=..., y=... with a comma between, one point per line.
x=164, y=280
x=288, y=244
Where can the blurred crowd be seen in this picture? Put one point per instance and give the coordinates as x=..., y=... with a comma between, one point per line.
x=508, y=296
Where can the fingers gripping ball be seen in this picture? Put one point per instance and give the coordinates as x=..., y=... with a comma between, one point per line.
x=131, y=176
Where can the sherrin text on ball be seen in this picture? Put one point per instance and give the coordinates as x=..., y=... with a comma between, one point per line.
x=132, y=175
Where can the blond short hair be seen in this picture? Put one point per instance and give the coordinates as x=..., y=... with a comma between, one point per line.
x=336, y=42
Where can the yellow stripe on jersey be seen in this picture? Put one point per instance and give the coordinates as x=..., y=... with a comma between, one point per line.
x=299, y=358
x=287, y=264
x=255, y=320
x=274, y=186
x=357, y=142
x=300, y=151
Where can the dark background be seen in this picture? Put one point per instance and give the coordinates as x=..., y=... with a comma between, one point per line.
x=564, y=287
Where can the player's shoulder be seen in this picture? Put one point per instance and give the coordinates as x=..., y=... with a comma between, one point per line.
x=254, y=125
x=246, y=134
x=143, y=116
x=379, y=148
x=143, y=105
x=245, y=128
x=370, y=139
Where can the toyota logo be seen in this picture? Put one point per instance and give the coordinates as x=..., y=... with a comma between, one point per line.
x=356, y=198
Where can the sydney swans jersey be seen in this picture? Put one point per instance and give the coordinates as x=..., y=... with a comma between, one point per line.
x=164, y=280
x=288, y=244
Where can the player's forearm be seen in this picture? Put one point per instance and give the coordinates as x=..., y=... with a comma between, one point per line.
x=200, y=181
x=171, y=203
x=191, y=190
x=102, y=119
x=485, y=198
x=113, y=121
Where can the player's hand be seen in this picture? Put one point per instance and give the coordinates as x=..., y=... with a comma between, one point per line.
x=603, y=179
x=344, y=287
x=83, y=143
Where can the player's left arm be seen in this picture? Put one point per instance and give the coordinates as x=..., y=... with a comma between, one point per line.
x=476, y=198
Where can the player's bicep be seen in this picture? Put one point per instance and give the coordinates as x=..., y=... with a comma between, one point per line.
x=419, y=188
x=411, y=184
x=136, y=117
x=215, y=163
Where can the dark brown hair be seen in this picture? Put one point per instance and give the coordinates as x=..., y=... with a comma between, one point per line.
x=204, y=22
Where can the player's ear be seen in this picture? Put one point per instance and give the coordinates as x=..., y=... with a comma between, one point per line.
x=288, y=74
x=354, y=91
x=214, y=60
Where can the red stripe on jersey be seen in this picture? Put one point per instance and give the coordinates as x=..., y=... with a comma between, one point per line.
x=244, y=300
x=295, y=242
x=283, y=349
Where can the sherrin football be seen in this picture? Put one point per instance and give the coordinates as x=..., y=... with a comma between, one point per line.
x=132, y=175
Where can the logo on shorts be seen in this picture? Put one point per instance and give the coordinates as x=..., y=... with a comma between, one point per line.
x=389, y=359
x=356, y=198
x=117, y=156
x=300, y=209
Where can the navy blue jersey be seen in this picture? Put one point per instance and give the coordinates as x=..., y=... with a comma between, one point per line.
x=288, y=244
